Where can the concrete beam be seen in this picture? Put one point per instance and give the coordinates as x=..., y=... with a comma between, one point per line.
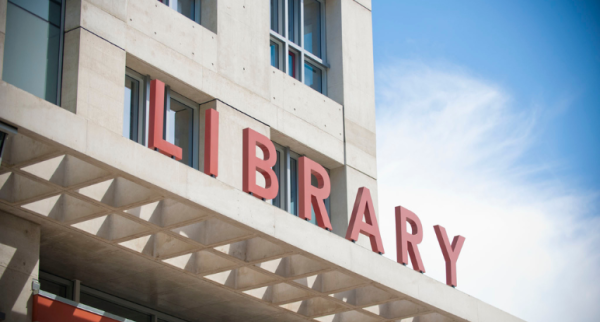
x=401, y=309
x=19, y=266
x=213, y=232
x=167, y=213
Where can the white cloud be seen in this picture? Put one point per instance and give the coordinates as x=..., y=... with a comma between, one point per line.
x=450, y=147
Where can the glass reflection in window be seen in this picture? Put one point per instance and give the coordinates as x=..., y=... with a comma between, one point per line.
x=313, y=77
x=180, y=129
x=312, y=27
x=32, y=47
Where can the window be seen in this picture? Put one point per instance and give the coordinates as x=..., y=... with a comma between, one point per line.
x=134, y=107
x=312, y=76
x=181, y=126
x=297, y=29
x=286, y=170
x=33, y=47
x=293, y=63
x=274, y=54
x=181, y=122
x=99, y=300
x=103, y=304
x=188, y=8
x=56, y=285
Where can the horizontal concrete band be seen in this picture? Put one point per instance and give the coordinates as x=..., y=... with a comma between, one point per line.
x=134, y=197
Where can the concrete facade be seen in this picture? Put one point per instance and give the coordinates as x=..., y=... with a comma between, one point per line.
x=79, y=200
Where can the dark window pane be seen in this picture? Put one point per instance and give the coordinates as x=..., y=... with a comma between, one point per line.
x=275, y=16
x=187, y=8
x=2, y=141
x=294, y=21
x=274, y=54
x=277, y=170
x=312, y=77
x=54, y=288
x=180, y=129
x=131, y=108
x=31, y=53
x=114, y=308
x=45, y=9
x=293, y=64
x=312, y=27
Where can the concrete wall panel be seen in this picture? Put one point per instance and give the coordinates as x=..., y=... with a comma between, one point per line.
x=365, y=3
x=19, y=265
x=116, y=8
x=304, y=102
x=303, y=138
x=359, y=87
x=100, y=89
x=244, y=44
x=169, y=28
x=103, y=24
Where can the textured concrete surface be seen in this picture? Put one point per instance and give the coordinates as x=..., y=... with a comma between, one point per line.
x=19, y=265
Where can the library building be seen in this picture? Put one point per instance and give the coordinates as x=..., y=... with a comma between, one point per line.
x=202, y=160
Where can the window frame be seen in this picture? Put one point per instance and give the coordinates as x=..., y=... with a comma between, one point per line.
x=61, y=42
x=170, y=94
x=144, y=111
x=142, y=122
x=285, y=182
x=74, y=294
x=280, y=53
x=69, y=285
x=305, y=55
x=197, y=10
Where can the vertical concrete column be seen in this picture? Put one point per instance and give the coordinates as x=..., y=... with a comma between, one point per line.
x=3, y=4
x=351, y=83
x=243, y=25
x=209, y=17
x=19, y=266
x=93, y=67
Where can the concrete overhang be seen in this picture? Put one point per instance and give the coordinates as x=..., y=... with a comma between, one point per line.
x=131, y=221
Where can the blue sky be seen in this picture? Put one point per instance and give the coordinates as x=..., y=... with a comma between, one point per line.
x=546, y=53
x=488, y=123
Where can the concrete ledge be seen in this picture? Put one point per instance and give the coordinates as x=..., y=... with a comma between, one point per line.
x=351, y=266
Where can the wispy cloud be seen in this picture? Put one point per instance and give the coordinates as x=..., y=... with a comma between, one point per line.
x=451, y=147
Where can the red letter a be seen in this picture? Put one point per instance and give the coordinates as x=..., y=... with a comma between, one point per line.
x=363, y=205
x=310, y=194
x=253, y=139
x=406, y=242
x=450, y=252
x=156, y=119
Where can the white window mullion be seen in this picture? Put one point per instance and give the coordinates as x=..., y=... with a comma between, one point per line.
x=323, y=35
x=301, y=66
x=301, y=24
x=285, y=19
